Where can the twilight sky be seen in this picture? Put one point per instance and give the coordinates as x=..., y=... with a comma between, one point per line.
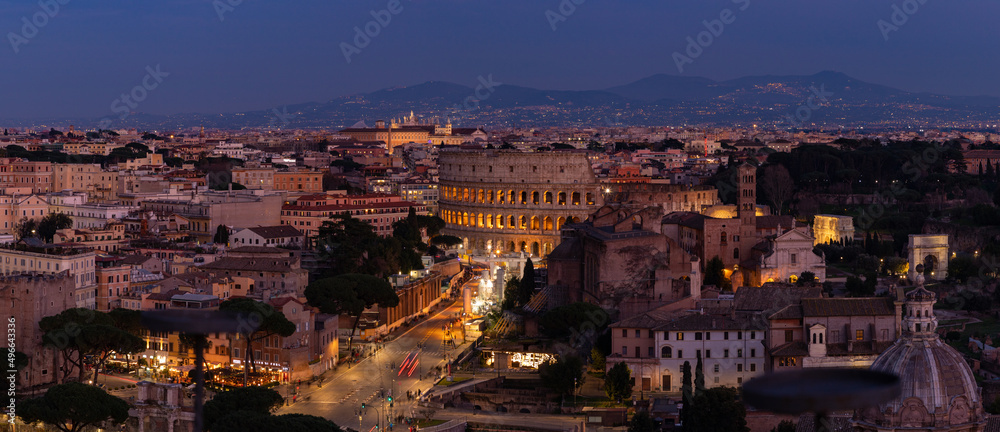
x=266, y=53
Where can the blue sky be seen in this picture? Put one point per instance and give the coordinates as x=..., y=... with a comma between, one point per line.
x=266, y=53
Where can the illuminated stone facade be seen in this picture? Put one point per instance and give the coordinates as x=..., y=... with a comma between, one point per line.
x=512, y=201
x=831, y=228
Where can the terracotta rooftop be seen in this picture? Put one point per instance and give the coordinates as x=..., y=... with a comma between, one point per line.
x=276, y=231
x=848, y=306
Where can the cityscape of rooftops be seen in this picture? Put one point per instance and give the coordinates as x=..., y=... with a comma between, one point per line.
x=485, y=216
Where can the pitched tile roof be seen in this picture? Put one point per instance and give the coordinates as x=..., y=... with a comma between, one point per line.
x=251, y=264
x=771, y=298
x=711, y=322
x=276, y=231
x=869, y=306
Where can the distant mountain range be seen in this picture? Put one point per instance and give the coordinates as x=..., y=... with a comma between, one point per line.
x=823, y=100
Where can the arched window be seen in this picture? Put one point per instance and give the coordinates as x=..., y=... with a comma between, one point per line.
x=562, y=198
x=465, y=219
x=490, y=197
x=534, y=197
x=465, y=194
x=499, y=221
x=666, y=352
x=547, y=223
x=576, y=198
x=524, y=197
x=501, y=197
x=559, y=222
x=510, y=222
x=548, y=197
x=480, y=222
x=482, y=197
x=489, y=221
x=723, y=237
x=534, y=223
x=523, y=222
x=590, y=198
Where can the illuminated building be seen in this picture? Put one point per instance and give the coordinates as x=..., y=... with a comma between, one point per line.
x=509, y=201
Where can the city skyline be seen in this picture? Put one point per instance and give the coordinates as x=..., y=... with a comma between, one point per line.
x=219, y=57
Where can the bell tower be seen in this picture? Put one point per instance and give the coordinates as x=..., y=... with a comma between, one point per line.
x=746, y=208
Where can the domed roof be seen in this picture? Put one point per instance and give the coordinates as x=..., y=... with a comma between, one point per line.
x=939, y=391
x=921, y=295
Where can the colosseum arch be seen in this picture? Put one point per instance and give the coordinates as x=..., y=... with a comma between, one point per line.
x=480, y=222
x=510, y=222
x=482, y=197
x=490, y=196
x=576, y=198
x=535, y=197
x=511, y=197
x=510, y=246
x=547, y=249
x=534, y=223
x=524, y=197
x=535, y=249
x=489, y=221
x=548, y=197
x=560, y=221
x=572, y=220
x=465, y=194
x=524, y=247
x=499, y=221
x=522, y=222
x=547, y=223
x=590, y=198
x=562, y=198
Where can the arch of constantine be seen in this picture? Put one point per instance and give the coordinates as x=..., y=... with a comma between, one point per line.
x=931, y=250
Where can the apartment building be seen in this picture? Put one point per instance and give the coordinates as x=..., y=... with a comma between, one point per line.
x=100, y=186
x=307, y=213
x=79, y=263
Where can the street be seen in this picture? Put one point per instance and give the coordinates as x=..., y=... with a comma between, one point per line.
x=401, y=365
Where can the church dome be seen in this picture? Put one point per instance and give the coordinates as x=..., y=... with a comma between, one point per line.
x=939, y=391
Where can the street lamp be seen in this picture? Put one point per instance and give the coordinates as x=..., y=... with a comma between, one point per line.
x=378, y=417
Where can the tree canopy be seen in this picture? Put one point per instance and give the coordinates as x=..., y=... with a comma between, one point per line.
x=221, y=235
x=239, y=402
x=716, y=409
x=79, y=334
x=272, y=322
x=618, y=382
x=73, y=407
x=559, y=322
x=527, y=287
x=562, y=375
x=351, y=294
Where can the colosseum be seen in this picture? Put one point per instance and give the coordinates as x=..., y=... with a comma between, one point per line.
x=510, y=201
